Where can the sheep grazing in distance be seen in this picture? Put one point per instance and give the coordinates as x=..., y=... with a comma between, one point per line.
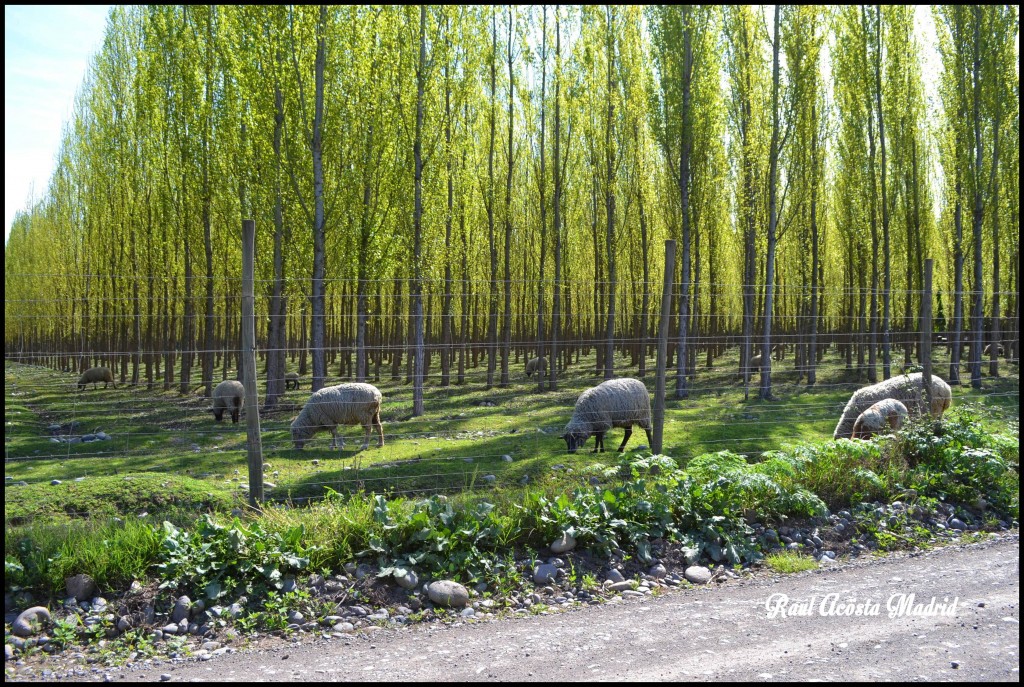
x=539, y=365
x=291, y=380
x=988, y=350
x=344, y=404
x=908, y=389
x=755, y=364
x=886, y=413
x=95, y=375
x=615, y=403
x=228, y=395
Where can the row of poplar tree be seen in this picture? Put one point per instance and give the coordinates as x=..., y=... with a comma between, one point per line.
x=462, y=179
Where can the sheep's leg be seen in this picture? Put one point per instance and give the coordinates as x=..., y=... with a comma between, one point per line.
x=650, y=439
x=629, y=433
x=380, y=429
x=598, y=442
x=366, y=437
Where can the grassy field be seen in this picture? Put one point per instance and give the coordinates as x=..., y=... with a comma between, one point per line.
x=172, y=444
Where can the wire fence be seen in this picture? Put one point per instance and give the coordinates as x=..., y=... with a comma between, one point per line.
x=471, y=435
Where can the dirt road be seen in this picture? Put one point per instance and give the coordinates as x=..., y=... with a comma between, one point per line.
x=717, y=632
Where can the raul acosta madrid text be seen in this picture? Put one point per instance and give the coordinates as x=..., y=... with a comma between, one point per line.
x=835, y=604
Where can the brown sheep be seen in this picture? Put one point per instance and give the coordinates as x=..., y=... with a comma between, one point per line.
x=96, y=375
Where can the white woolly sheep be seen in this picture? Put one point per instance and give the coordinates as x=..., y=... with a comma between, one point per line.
x=988, y=350
x=344, y=404
x=886, y=413
x=94, y=375
x=614, y=403
x=539, y=365
x=228, y=395
x=291, y=380
x=908, y=389
x=755, y=364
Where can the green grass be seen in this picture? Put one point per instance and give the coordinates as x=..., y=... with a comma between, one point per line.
x=789, y=562
x=448, y=450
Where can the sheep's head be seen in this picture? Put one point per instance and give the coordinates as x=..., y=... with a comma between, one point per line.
x=218, y=414
x=574, y=439
x=300, y=433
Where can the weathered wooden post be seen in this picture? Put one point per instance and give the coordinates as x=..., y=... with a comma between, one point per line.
x=252, y=415
x=926, y=333
x=666, y=310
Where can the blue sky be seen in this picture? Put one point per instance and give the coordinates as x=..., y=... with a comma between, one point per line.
x=46, y=52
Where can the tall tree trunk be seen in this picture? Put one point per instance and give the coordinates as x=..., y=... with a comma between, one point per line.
x=417, y=287
x=977, y=287
x=609, y=344
x=317, y=324
x=773, y=164
x=276, y=335
x=811, y=361
x=886, y=289
x=492, y=300
x=682, y=352
x=556, y=229
x=506, y=323
x=541, y=380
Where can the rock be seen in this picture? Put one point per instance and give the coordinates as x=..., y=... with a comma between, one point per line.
x=181, y=609
x=954, y=524
x=489, y=479
x=288, y=584
x=507, y=458
x=407, y=581
x=103, y=436
x=171, y=629
x=8, y=652
x=89, y=437
x=296, y=617
x=564, y=544
x=620, y=586
x=124, y=624
x=165, y=677
x=545, y=573
x=30, y=621
x=448, y=593
x=344, y=627
x=54, y=482
x=697, y=574
x=468, y=613
x=81, y=587
x=615, y=576
x=657, y=571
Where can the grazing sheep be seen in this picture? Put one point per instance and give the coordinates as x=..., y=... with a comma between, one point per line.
x=908, y=389
x=988, y=350
x=291, y=380
x=229, y=394
x=344, y=404
x=872, y=421
x=539, y=365
x=755, y=364
x=96, y=375
x=615, y=403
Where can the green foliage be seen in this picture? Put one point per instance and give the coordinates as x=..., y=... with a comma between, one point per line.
x=219, y=559
x=958, y=461
x=113, y=554
x=789, y=562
